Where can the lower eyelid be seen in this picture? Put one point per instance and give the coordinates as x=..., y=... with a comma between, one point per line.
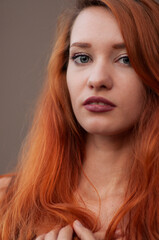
x=76, y=56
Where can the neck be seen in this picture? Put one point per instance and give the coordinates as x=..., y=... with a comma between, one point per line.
x=107, y=162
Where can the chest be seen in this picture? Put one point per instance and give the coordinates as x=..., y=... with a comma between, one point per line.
x=105, y=211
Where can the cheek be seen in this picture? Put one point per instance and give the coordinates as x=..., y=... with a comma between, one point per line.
x=134, y=102
x=69, y=82
x=74, y=85
x=72, y=89
x=132, y=90
x=70, y=79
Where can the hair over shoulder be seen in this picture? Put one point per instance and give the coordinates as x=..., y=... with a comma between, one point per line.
x=51, y=158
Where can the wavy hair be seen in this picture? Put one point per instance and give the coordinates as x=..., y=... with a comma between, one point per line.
x=50, y=163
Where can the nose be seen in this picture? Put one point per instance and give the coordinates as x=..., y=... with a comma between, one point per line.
x=100, y=76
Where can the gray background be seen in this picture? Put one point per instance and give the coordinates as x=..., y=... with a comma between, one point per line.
x=27, y=30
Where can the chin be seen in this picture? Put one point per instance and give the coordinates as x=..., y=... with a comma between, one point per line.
x=99, y=131
x=107, y=131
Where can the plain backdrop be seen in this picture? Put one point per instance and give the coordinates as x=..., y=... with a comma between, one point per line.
x=27, y=29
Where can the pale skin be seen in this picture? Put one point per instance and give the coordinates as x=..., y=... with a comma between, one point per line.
x=99, y=66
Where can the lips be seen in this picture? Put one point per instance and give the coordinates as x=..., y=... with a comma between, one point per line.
x=98, y=100
x=98, y=104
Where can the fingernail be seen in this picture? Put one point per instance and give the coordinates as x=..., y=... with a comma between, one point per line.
x=77, y=223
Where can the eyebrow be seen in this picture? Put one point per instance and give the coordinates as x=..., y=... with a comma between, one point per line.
x=88, y=45
x=81, y=45
x=119, y=46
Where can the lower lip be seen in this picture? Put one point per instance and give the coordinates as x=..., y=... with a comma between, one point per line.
x=99, y=108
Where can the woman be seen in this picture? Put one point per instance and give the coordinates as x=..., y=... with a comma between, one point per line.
x=92, y=152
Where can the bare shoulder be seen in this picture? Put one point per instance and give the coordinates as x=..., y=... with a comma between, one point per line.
x=4, y=182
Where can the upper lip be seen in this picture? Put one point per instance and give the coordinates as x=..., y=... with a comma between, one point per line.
x=98, y=99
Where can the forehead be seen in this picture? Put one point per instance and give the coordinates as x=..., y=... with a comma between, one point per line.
x=96, y=24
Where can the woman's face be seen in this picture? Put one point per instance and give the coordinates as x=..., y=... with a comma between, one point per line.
x=99, y=70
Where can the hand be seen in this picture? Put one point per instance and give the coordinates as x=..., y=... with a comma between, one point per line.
x=67, y=233
x=64, y=233
x=82, y=232
x=85, y=234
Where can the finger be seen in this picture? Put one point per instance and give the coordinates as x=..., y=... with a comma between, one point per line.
x=65, y=233
x=41, y=237
x=119, y=234
x=52, y=235
x=82, y=232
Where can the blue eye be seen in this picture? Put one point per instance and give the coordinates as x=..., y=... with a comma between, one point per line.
x=124, y=60
x=81, y=59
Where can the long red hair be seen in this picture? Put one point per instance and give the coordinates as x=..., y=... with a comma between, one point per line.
x=50, y=162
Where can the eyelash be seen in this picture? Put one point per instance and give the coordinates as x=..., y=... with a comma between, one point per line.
x=124, y=57
x=75, y=56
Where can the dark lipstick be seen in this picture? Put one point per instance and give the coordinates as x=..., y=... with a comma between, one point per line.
x=98, y=104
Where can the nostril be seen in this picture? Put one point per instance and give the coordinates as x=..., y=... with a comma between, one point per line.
x=103, y=83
